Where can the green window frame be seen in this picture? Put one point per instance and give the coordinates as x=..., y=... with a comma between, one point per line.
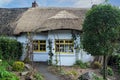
x=39, y=45
x=64, y=46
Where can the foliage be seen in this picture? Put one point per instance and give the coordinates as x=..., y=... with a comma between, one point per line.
x=115, y=60
x=50, y=52
x=56, y=60
x=5, y=75
x=76, y=39
x=88, y=64
x=10, y=48
x=72, y=72
x=38, y=76
x=101, y=31
x=109, y=71
x=4, y=65
x=80, y=64
x=94, y=77
x=97, y=65
x=118, y=63
x=18, y=66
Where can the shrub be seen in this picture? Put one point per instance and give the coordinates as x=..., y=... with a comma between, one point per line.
x=88, y=64
x=4, y=65
x=94, y=77
x=72, y=72
x=80, y=64
x=109, y=71
x=10, y=48
x=115, y=60
x=18, y=66
x=5, y=75
x=97, y=65
x=38, y=76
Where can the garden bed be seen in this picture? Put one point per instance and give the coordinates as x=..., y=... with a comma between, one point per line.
x=72, y=73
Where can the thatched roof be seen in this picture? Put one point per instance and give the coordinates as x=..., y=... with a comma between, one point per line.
x=7, y=19
x=16, y=21
x=64, y=15
x=44, y=19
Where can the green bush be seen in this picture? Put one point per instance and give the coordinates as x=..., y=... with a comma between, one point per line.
x=5, y=75
x=72, y=72
x=80, y=64
x=109, y=71
x=118, y=63
x=97, y=65
x=18, y=66
x=94, y=77
x=88, y=64
x=4, y=65
x=10, y=48
x=38, y=76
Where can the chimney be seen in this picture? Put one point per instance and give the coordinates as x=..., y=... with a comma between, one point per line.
x=34, y=4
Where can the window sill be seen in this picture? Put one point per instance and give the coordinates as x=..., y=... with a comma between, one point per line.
x=37, y=52
x=65, y=54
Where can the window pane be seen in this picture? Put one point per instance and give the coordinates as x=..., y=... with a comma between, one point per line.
x=35, y=46
x=61, y=48
x=61, y=41
x=57, y=41
x=57, y=48
x=64, y=46
x=42, y=41
x=39, y=45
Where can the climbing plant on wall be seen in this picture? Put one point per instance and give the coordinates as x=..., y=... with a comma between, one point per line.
x=77, y=42
x=50, y=61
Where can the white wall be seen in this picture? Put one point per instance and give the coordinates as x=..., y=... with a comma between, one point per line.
x=64, y=59
x=67, y=59
x=37, y=56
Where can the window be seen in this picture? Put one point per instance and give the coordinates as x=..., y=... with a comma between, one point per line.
x=39, y=45
x=65, y=46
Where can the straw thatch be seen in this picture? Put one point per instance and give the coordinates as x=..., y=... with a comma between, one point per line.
x=7, y=19
x=64, y=15
x=19, y=20
x=44, y=19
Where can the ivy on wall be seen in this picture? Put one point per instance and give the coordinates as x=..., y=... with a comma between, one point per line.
x=50, y=61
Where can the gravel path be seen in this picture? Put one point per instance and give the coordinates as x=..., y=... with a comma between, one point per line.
x=42, y=67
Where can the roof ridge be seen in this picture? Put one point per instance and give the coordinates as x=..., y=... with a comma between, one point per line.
x=64, y=14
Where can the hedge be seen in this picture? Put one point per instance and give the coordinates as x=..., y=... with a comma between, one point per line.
x=10, y=48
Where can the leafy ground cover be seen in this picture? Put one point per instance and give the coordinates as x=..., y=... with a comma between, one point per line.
x=8, y=73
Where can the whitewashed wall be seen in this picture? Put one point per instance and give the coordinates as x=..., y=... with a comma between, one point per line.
x=67, y=59
x=37, y=56
x=64, y=59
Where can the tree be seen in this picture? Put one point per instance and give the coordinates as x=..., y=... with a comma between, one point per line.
x=101, y=31
x=29, y=48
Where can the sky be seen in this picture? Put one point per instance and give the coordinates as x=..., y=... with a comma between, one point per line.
x=54, y=3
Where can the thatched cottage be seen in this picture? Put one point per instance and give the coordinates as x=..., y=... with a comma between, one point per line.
x=61, y=25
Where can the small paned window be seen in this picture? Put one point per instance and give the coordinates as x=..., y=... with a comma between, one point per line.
x=39, y=45
x=64, y=46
